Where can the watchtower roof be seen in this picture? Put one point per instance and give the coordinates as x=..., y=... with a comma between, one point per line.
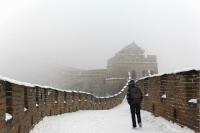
x=132, y=48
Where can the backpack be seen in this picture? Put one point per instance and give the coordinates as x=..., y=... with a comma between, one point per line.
x=136, y=95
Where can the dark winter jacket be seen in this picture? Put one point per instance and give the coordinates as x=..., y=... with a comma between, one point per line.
x=134, y=94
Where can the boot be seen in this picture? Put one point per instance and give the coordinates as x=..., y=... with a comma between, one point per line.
x=140, y=124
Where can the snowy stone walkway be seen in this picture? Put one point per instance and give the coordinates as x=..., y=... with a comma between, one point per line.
x=117, y=120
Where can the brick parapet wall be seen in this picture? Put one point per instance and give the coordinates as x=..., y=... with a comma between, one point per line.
x=29, y=104
x=179, y=88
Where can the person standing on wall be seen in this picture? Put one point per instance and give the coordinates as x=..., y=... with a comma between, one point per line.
x=134, y=98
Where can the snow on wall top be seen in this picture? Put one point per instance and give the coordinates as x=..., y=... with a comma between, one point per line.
x=194, y=100
x=27, y=84
x=175, y=72
x=48, y=87
x=115, y=78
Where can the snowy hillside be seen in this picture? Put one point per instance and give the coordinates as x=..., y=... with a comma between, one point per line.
x=117, y=120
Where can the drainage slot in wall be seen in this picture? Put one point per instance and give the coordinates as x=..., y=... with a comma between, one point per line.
x=41, y=115
x=19, y=129
x=174, y=113
x=153, y=108
x=31, y=120
x=50, y=113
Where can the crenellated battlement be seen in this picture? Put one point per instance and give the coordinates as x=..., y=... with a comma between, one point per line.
x=174, y=96
x=23, y=105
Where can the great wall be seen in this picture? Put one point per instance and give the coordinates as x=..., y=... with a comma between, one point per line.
x=173, y=96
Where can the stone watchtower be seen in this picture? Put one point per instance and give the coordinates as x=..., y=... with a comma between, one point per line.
x=111, y=80
x=131, y=59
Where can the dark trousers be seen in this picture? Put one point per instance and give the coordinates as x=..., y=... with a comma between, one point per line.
x=135, y=110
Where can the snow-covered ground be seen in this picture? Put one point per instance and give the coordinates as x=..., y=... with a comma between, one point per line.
x=117, y=120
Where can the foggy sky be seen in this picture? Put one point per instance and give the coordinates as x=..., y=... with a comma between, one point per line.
x=36, y=35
